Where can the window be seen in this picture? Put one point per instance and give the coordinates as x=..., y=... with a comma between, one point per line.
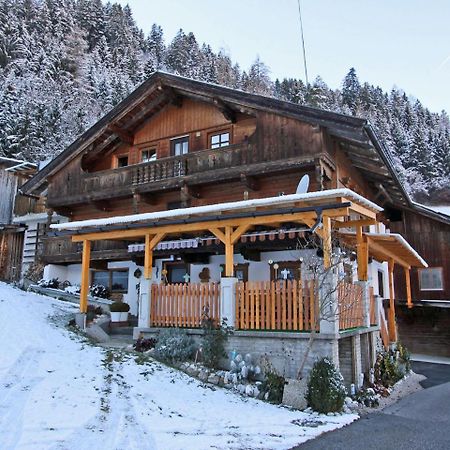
x=175, y=272
x=240, y=271
x=381, y=283
x=179, y=146
x=114, y=280
x=149, y=154
x=122, y=161
x=431, y=279
x=285, y=270
x=220, y=140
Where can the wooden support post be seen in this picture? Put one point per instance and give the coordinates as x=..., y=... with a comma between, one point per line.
x=408, y=287
x=229, y=248
x=362, y=252
x=150, y=243
x=148, y=257
x=85, y=275
x=326, y=220
x=392, y=325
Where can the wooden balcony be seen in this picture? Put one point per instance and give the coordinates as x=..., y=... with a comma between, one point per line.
x=200, y=167
x=61, y=250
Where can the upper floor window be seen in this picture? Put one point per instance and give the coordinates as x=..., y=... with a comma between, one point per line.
x=179, y=146
x=148, y=154
x=220, y=140
x=122, y=161
x=431, y=279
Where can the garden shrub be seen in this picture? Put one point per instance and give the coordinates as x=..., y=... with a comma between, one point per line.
x=143, y=344
x=98, y=290
x=404, y=357
x=326, y=390
x=213, y=342
x=273, y=385
x=387, y=371
x=52, y=283
x=174, y=345
x=119, y=307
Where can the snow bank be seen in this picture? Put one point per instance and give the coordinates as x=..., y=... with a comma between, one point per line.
x=58, y=392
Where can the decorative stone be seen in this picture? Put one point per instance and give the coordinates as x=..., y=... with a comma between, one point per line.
x=244, y=372
x=255, y=392
x=213, y=378
x=295, y=392
x=248, y=358
x=249, y=390
x=234, y=378
x=241, y=388
x=203, y=375
x=233, y=366
x=192, y=371
x=239, y=358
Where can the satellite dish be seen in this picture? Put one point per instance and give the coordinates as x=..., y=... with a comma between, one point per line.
x=303, y=185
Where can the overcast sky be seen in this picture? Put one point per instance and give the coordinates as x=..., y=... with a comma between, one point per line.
x=405, y=43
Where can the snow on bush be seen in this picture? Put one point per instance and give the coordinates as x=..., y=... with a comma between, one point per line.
x=52, y=283
x=175, y=345
x=326, y=390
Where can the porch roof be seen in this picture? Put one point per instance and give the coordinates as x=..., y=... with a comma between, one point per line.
x=358, y=205
x=386, y=246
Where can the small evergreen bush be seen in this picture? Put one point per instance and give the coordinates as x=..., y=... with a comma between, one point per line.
x=213, y=342
x=174, y=345
x=326, y=390
x=387, y=370
x=119, y=307
x=143, y=344
x=273, y=385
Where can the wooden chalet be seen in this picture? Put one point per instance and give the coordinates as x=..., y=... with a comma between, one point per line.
x=183, y=199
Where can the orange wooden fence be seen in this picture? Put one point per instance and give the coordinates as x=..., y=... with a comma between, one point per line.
x=276, y=305
x=351, y=313
x=184, y=305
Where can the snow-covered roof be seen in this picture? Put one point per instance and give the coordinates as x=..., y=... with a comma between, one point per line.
x=219, y=208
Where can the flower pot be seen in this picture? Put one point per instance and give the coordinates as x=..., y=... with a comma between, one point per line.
x=124, y=316
x=116, y=316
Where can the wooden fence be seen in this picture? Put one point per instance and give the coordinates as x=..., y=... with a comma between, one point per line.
x=350, y=300
x=184, y=305
x=276, y=305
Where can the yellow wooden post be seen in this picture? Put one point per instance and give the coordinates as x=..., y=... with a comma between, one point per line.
x=326, y=221
x=362, y=252
x=392, y=325
x=148, y=257
x=228, y=252
x=408, y=287
x=85, y=275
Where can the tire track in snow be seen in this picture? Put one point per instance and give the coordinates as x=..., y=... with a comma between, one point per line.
x=17, y=385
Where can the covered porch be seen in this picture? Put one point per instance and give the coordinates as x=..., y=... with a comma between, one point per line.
x=326, y=303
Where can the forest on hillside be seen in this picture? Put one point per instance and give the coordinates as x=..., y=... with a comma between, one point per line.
x=65, y=63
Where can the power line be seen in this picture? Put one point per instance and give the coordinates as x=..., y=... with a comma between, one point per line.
x=303, y=43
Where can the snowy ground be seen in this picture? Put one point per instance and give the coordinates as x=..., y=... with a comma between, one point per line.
x=58, y=391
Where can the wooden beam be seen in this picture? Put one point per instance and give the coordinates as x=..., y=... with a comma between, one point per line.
x=362, y=252
x=391, y=322
x=151, y=241
x=125, y=136
x=189, y=192
x=85, y=260
x=219, y=234
x=238, y=232
x=249, y=182
x=226, y=111
x=197, y=226
x=355, y=223
x=408, y=287
x=386, y=253
x=229, y=250
x=326, y=242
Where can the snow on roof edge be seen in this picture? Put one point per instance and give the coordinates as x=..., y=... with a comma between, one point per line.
x=219, y=207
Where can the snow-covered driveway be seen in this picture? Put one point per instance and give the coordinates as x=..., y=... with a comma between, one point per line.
x=59, y=392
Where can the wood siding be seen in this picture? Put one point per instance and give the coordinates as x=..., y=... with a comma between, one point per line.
x=8, y=189
x=431, y=239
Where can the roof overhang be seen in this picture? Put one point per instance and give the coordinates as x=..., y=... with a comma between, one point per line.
x=354, y=134
x=388, y=246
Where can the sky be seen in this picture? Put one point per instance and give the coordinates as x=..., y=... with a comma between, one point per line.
x=401, y=43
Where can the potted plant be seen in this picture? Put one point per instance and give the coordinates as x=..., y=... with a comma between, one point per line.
x=119, y=311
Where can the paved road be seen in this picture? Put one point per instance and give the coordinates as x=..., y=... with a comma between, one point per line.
x=420, y=421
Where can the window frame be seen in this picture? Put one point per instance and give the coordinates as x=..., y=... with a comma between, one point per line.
x=167, y=265
x=219, y=133
x=178, y=139
x=119, y=157
x=110, y=271
x=147, y=149
x=441, y=270
x=285, y=265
